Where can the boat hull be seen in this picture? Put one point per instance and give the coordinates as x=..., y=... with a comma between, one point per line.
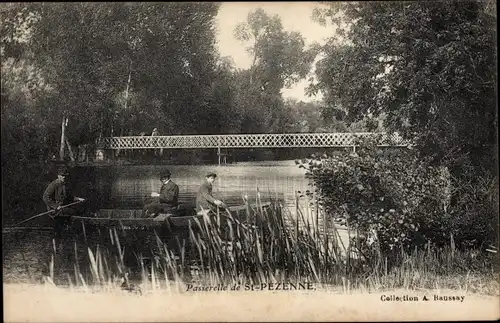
x=131, y=219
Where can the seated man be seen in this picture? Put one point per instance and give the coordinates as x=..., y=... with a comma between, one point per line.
x=167, y=198
x=204, y=198
x=56, y=196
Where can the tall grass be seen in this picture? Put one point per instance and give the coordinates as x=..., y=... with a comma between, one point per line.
x=267, y=244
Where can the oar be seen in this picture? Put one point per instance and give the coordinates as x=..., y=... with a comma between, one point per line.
x=48, y=212
x=12, y=229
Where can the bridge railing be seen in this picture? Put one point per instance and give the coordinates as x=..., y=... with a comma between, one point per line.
x=291, y=140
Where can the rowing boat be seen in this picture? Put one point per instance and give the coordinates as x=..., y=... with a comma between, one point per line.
x=132, y=218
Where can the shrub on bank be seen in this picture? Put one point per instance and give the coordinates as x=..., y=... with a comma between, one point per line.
x=474, y=210
x=399, y=198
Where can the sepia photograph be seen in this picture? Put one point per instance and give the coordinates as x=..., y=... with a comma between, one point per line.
x=249, y=161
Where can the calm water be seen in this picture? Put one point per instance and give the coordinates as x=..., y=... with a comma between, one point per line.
x=27, y=254
x=131, y=186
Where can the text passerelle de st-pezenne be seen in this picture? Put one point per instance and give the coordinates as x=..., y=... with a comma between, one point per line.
x=251, y=287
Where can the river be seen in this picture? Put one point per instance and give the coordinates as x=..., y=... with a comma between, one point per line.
x=27, y=253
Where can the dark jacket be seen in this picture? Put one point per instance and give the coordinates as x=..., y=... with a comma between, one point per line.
x=169, y=194
x=56, y=194
x=204, y=198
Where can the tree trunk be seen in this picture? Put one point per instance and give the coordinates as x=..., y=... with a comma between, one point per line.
x=101, y=127
x=125, y=105
x=127, y=91
x=64, y=123
x=252, y=67
x=71, y=154
x=128, y=85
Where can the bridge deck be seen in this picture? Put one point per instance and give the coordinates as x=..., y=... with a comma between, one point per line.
x=249, y=141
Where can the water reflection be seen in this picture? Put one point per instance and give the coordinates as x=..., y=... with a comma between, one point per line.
x=130, y=187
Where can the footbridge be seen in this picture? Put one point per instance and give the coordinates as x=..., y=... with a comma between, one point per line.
x=283, y=140
x=288, y=140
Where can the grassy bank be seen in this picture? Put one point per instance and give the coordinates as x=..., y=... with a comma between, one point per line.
x=266, y=245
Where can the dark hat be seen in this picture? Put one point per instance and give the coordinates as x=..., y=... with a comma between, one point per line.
x=211, y=175
x=165, y=174
x=63, y=171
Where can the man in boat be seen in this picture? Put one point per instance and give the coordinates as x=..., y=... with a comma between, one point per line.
x=204, y=199
x=168, y=198
x=57, y=196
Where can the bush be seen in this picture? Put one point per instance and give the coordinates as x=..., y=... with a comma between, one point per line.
x=473, y=212
x=395, y=195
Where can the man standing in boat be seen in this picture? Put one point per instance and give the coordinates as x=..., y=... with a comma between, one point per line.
x=57, y=196
x=167, y=198
x=204, y=198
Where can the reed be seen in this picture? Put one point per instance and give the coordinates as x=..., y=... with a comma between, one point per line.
x=271, y=245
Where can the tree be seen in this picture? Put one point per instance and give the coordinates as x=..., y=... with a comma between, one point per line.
x=429, y=69
x=118, y=65
x=306, y=116
x=428, y=66
x=279, y=59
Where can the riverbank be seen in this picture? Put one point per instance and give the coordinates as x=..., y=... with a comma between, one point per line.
x=46, y=303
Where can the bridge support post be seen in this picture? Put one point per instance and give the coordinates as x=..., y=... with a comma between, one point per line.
x=222, y=157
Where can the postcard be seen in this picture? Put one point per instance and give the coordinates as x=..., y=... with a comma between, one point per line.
x=249, y=161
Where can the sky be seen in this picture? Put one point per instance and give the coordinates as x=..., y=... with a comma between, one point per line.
x=295, y=16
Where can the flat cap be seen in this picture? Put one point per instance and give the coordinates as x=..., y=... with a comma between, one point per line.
x=165, y=174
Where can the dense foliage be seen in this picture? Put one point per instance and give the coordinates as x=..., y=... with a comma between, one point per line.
x=429, y=70
x=398, y=198
x=115, y=68
x=429, y=67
